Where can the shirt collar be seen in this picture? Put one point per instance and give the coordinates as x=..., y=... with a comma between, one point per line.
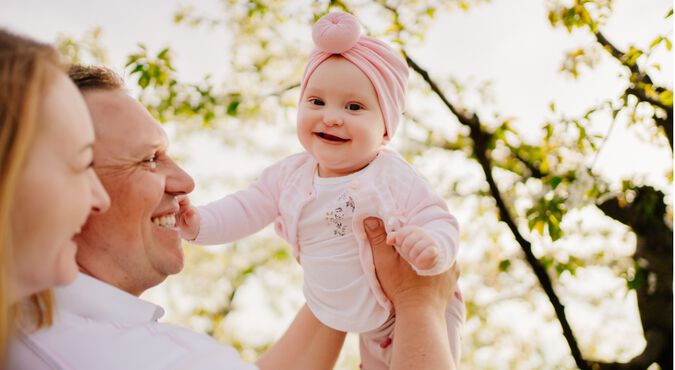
x=95, y=299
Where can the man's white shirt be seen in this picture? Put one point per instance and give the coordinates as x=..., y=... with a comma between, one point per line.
x=97, y=326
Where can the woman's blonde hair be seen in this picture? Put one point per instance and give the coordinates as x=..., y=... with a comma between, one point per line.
x=27, y=69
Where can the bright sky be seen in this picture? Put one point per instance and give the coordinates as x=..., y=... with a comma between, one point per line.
x=507, y=42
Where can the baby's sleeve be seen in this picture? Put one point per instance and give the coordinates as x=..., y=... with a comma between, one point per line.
x=242, y=213
x=429, y=211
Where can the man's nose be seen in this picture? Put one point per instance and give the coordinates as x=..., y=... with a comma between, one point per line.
x=177, y=180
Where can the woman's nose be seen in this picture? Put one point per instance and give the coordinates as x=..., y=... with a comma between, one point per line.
x=101, y=200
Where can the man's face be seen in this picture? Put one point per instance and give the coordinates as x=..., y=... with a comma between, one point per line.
x=135, y=245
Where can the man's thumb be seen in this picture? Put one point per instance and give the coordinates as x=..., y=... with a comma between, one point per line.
x=377, y=235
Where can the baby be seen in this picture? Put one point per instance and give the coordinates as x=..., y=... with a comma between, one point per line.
x=351, y=99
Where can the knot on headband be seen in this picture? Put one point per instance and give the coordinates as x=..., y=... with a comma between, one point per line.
x=336, y=33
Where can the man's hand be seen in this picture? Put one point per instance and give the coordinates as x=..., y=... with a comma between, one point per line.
x=399, y=281
x=416, y=246
x=187, y=219
x=420, y=334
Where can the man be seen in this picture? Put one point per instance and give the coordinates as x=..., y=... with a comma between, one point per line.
x=102, y=324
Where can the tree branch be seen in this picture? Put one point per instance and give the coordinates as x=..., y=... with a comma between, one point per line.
x=481, y=151
x=665, y=124
x=534, y=170
x=619, y=55
x=655, y=346
x=654, y=248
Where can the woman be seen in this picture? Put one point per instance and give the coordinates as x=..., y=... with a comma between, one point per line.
x=47, y=184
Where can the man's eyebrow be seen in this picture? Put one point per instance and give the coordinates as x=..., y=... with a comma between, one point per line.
x=150, y=148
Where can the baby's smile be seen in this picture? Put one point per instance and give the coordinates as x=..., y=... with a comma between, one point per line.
x=330, y=137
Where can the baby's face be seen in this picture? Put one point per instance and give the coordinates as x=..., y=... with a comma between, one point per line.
x=339, y=118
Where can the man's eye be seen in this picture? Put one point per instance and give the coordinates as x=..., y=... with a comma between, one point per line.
x=316, y=101
x=354, y=106
x=151, y=162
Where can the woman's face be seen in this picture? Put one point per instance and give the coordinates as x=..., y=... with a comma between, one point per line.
x=56, y=191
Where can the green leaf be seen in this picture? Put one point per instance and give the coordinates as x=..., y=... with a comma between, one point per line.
x=504, y=265
x=144, y=81
x=163, y=54
x=209, y=116
x=585, y=16
x=539, y=226
x=656, y=42
x=560, y=268
x=546, y=262
x=632, y=55
x=232, y=108
x=633, y=281
x=554, y=230
x=555, y=181
x=137, y=69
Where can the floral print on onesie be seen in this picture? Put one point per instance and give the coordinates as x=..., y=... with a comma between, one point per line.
x=336, y=216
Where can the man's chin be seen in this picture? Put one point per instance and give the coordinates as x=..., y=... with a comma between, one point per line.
x=166, y=257
x=166, y=268
x=174, y=262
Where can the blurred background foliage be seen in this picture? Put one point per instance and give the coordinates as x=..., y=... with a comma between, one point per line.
x=561, y=266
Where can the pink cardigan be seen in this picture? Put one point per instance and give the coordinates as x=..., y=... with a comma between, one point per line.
x=389, y=189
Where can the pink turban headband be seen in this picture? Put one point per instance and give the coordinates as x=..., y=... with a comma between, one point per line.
x=340, y=33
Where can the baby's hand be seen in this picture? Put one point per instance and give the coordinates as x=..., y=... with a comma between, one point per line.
x=416, y=246
x=188, y=219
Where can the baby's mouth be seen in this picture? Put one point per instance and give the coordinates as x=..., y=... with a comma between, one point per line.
x=330, y=137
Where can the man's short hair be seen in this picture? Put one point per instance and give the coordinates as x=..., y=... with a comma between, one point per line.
x=95, y=78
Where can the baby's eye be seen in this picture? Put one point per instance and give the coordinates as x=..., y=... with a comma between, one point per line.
x=354, y=106
x=316, y=101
